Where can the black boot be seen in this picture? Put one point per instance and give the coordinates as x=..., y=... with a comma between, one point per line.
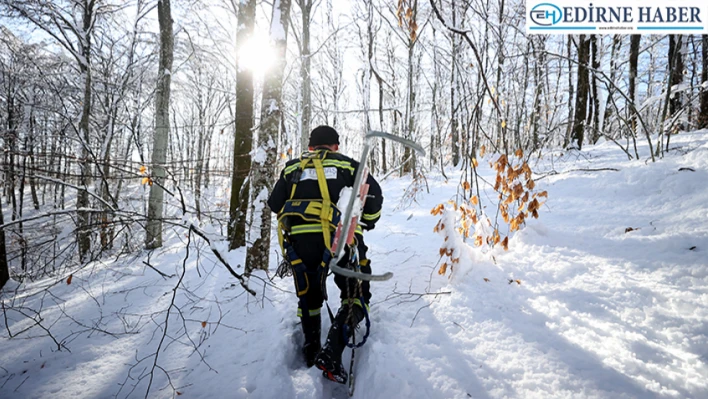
x=311, y=327
x=330, y=358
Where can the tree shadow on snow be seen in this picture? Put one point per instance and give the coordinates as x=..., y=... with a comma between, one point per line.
x=419, y=362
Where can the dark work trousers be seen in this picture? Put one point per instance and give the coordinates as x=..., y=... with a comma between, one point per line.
x=310, y=248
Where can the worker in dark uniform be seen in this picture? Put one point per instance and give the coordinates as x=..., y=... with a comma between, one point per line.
x=305, y=198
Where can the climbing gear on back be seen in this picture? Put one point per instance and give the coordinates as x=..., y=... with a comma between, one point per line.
x=310, y=211
x=302, y=216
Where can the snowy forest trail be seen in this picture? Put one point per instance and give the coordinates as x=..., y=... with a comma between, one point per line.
x=597, y=312
x=600, y=312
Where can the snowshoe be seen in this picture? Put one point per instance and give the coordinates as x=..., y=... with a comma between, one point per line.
x=331, y=365
x=329, y=359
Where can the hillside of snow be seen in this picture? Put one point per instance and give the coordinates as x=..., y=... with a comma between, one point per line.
x=611, y=302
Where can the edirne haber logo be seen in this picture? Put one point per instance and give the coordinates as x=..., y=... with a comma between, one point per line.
x=614, y=17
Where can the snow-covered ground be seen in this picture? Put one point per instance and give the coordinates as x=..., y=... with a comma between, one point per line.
x=599, y=312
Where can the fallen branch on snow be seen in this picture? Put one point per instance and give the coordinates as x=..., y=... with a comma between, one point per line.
x=553, y=172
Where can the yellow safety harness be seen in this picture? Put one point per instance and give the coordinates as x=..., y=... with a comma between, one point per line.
x=301, y=216
x=319, y=215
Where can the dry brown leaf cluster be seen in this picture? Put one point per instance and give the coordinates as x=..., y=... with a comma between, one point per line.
x=406, y=14
x=467, y=216
x=518, y=201
x=514, y=184
x=146, y=179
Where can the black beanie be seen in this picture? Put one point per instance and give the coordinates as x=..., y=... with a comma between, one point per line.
x=323, y=135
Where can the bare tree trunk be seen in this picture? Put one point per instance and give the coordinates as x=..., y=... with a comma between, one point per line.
x=305, y=77
x=435, y=114
x=595, y=96
x=366, y=83
x=30, y=154
x=379, y=81
x=672, y=103
x=384, y=168
x=409, y=164
x=454, y=123
x=633, y=64
x=106, y=234
x=411, y=30
x=21, y=207
x=82, y=200
x=153, y=237
x=501, y=127
x=539, y=47
x=199, y=162
x=334, y=78
x=243, y=134
x=581, y=99
x=4, y=269
x=381, y=122
x=703, y=116
x=676, y=59
x=258, y=254
x=633, y=61
x=12, y=139
x=693, y=61
x=616, y=44
x=676, y=78
x=571, y=92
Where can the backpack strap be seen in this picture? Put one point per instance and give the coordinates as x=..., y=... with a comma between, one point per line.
x=326, y=203
x=329, y=214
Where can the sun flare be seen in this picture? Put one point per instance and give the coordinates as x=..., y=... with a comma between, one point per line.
x=256, y=54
